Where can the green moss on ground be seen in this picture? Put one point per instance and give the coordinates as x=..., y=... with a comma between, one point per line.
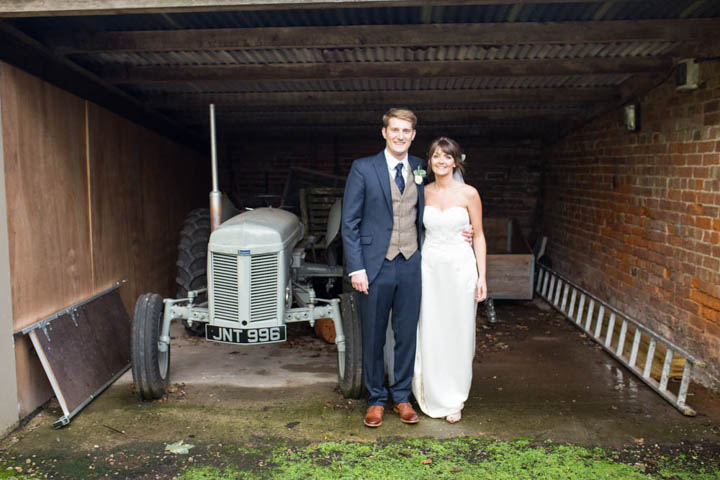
x=272, y=457
x=458, y=458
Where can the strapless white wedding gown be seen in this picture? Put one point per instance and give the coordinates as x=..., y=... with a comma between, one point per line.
x=446, y=328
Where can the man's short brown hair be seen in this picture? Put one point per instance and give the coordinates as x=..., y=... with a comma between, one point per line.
x=402, y=114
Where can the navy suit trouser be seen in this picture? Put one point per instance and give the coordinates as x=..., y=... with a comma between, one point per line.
x=397, y=287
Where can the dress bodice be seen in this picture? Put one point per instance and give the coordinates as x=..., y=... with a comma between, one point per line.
x=444, y=227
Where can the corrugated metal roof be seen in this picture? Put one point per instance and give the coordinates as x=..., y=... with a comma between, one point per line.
x=485, y=107
x=178, y=97
x=390, y=84
x=380, y=54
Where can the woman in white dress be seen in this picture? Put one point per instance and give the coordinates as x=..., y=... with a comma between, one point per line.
x=453, y=281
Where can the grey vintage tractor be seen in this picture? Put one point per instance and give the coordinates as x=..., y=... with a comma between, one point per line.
x=241, y=281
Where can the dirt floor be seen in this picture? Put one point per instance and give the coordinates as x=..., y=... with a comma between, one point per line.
x=536, y=377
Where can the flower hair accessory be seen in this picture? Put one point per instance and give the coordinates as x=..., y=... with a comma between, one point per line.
x=419, y=174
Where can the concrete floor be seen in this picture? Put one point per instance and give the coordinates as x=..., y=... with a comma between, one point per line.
x=535, y=376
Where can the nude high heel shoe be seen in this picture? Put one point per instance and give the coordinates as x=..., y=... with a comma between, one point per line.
x=454, y=417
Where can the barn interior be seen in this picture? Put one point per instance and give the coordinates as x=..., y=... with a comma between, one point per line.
x=595, y=123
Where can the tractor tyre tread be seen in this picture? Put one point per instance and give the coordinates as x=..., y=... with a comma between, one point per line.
x=144, y=354
x=351, y=382
x=192, y=259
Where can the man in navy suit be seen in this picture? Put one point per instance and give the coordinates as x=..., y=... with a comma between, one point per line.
x=381, y=228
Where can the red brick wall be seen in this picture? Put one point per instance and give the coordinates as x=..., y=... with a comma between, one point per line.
x=635, y=217
x=508, y=178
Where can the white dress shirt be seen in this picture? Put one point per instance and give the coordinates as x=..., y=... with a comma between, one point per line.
x=392, y=164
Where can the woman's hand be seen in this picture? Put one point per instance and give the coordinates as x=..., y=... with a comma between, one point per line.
x=480, y=290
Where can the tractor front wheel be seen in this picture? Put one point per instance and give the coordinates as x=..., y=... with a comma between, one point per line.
x=350, y=370
x=150, y=366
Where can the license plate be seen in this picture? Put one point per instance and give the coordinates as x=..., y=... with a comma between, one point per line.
x=251, y=336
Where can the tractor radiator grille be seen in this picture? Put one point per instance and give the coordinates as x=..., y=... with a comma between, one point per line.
x=225, y=286
x=263, y=287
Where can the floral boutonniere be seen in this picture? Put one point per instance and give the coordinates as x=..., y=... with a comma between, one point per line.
x=419, y=174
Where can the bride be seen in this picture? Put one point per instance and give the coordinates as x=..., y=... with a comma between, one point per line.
x=453, y=281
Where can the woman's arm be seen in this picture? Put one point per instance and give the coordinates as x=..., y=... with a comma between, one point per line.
x=479, y=246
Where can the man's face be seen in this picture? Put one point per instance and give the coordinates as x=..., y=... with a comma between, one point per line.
x=398, y=136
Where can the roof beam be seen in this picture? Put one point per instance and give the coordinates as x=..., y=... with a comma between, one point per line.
x=29, y=8
x=545, y=131
x=356, y=36
x=518, y=136
x=373, y=117
x=419, y=97
x=208, y=73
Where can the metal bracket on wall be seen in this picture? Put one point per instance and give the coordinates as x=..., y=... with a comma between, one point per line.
x=611, y=328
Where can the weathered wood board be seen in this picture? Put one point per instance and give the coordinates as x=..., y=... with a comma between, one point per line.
x=47, y=198
x=83, y=349
x=510, y=261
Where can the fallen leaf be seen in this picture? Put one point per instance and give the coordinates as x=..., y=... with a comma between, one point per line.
x=292, y=424
x=427, y=461
x=639, y=441
x=179, y=447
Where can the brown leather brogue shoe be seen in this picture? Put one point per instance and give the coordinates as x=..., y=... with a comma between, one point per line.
x=407, y=414
x=373, y=417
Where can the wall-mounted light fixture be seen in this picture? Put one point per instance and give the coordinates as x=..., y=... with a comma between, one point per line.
x=687, y=74
x=631, y=117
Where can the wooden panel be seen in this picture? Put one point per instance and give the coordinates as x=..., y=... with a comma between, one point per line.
x=45, y=172
x=32, y=384
x=496, y=233
x=83, y=352
x=116, y=201
x=141, y=189
x=510, y=276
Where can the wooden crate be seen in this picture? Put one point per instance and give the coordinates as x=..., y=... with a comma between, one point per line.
x=510, y=260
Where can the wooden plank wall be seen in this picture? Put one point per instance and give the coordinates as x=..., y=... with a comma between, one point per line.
x=92, y=199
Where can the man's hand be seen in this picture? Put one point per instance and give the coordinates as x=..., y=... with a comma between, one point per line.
x=360, y=282
x=467, y=233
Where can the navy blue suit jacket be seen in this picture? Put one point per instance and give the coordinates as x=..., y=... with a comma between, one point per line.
x=367, y=217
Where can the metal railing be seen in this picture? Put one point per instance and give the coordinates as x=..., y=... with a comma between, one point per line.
x=575, y=303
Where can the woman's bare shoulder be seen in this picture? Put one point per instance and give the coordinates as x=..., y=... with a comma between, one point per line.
x=470, y=192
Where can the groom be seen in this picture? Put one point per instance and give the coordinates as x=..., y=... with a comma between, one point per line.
x=381, y=226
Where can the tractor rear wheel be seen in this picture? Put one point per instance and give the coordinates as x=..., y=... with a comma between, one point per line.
x=192, y=259
x=350, y=369
x=150, y=366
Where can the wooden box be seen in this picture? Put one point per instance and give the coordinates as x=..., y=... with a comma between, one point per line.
x=510, y=260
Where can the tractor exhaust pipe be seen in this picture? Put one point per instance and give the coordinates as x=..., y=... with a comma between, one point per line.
x=215, y=195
